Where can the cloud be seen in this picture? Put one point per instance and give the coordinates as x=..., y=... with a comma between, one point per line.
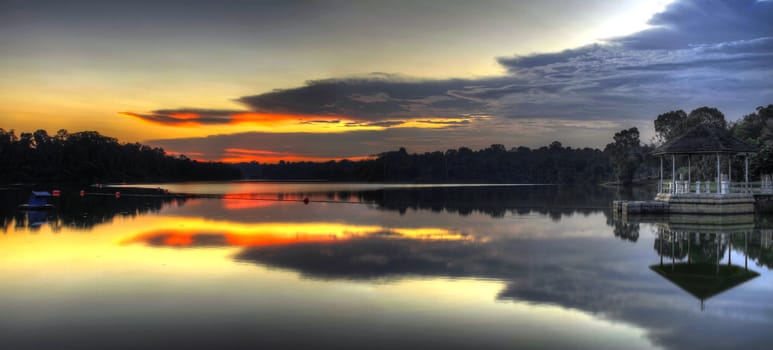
x=418, y=136
x=202, y=116
x=376, y=96
x=186, y=116
x=239, y=155
x=708, y=52
x=696, y=53
x=697, y=22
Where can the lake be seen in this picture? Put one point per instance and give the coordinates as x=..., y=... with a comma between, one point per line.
x=381, y=267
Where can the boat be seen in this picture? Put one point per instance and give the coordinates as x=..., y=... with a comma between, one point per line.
x=38, y=201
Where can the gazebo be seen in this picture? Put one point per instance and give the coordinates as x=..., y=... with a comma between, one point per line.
x=686, y=196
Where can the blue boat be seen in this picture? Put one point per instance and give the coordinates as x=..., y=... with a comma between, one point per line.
x=38, y=201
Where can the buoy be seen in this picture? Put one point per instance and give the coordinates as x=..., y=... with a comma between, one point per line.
x=56, y=193
x=117, y=194
x=83, y=193
x=306, y=200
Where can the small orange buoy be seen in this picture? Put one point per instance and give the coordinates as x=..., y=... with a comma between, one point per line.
x=117, y=194
x=83, y=193
x=56, y=193
x=306, y=200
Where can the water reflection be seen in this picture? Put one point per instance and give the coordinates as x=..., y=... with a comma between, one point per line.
x=73, y=211
x=493, y=200
x=591, y=274
x=695, y=253
x=487, y=252
x=221, y=234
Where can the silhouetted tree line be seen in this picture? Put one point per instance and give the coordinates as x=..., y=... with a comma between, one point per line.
x=495, y=164
x=88, y=157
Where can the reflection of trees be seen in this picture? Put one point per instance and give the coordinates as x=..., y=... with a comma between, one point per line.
x=627, y=231
x=71, y=210
x=696, y=247
x=496, y=201
x=758, y=246
x=553, y=201
x=709, y=248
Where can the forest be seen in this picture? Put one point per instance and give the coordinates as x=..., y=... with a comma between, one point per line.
x=88, y=157
x=495, y=164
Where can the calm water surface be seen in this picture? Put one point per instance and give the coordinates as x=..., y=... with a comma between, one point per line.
x=369, y=266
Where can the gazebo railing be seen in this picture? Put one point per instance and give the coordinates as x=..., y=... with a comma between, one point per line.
x=710, y=187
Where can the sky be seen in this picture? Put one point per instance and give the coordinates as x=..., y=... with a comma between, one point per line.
x=239, y=80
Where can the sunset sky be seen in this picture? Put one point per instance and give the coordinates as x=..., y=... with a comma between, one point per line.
x=240, y=80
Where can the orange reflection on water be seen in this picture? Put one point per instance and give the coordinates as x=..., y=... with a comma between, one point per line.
x=191, y=238
x=237, y=202
x=197, y=233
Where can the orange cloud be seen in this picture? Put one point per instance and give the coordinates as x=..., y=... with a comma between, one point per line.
x=237, y=155
x=195, y=118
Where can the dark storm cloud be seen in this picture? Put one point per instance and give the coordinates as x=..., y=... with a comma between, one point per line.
x=373, y=97
x=695, y=52
x=349, y=144
x=696, y=22
x=384, y=124
x=187, y=115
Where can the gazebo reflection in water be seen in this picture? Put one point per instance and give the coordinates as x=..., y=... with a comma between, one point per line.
x=697, y=256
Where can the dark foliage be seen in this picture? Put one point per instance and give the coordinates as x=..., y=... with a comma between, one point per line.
x=495, y=164
x=88, y=157
x=757, y=129
x=705, y=139
x=626, y=154
x=674, y=123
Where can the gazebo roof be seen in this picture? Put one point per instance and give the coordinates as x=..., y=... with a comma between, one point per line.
x=705, y=139
x=704, y=281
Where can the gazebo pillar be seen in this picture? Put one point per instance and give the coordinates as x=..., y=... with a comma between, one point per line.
x=729, y=172
x=746, y=170
x=660, y=186
x=689, y=178
x=719, y=177
x=673, y=173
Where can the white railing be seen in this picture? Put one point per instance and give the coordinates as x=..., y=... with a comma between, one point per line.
x=710, y=187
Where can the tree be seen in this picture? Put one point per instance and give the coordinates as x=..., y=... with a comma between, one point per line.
x=757, y=129
x=674, y=123
x=669, y=125
x=86, y=157
x=625, y=154
x=706, y=115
